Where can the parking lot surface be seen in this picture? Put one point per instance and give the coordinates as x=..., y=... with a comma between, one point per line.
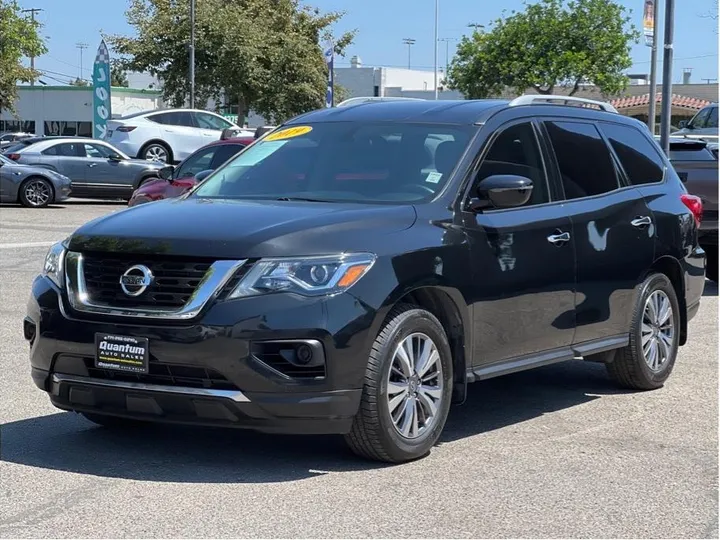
x=555, y=452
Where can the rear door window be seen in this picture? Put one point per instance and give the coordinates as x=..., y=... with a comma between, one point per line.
x=584, y=160
x=639, y=156
x=65, y=150
x=174, y=118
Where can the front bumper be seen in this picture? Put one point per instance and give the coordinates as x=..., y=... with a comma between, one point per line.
x=209, y=372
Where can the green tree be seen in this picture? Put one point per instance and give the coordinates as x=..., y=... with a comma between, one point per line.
x=261, y=55
x=118, y=77
x=19, y=37
x=549, y=44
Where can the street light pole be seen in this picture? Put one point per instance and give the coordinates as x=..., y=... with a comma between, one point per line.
x=667, y=77
x=409, y=42
x=192, y=54
x=32, y=12
x=447, y=52
x=652, y=113
x=435, y=46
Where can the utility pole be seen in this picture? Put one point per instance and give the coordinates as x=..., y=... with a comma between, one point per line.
x=475, y=27
x=667, y=76
x=81, y=46
x=32, y=12
x=192, y=55
x=409, y=42
x=435, y=46
x=447, y=41
x=652, y=113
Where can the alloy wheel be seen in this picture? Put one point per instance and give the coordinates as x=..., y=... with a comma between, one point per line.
x=415, y=386
x=37, y=193
x=156, y=153
x=658, y=330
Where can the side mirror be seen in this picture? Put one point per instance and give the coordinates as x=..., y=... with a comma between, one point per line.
x=682, y=124
x=115, y=157
x=166, y=173
x=229, y=133
x=502, y=191
x=202, y=175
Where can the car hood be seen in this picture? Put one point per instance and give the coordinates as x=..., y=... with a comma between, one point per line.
x=228, y=229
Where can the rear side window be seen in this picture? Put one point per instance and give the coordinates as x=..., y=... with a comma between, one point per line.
x=65, y=150
x=175, y=118
x=583, y=158
x=223, y=153
x=638, y=156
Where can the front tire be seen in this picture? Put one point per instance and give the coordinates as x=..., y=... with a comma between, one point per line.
x=648, y=360
x=407, y=391
x=36, y=192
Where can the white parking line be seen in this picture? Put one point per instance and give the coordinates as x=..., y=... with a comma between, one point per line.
x=27, y=245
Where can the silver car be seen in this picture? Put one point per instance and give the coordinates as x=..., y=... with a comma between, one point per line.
x=97, y=169
x=704, y=125
x=34, y=187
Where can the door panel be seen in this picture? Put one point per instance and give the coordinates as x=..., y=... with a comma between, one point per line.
x=523, y=294
x=612, y=227
x=104, y=177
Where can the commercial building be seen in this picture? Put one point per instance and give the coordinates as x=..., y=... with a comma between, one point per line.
x=67, y=110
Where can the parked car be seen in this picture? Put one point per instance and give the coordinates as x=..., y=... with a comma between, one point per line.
x=353, y=277
x=10, y=137
x=27, y=141
x=174, y=181
x=696, y=163
x=704, y=124
x=34, y=187
x=96, y=168
x=167, y=135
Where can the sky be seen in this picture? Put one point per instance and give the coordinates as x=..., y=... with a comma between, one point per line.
x=381, y=27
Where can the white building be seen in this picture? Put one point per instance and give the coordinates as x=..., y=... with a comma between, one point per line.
x=67, y=110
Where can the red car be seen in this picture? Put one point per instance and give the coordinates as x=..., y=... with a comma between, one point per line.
x=177, y=180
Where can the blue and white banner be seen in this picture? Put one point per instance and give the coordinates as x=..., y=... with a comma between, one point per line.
x=101, y=92
x=329, y=53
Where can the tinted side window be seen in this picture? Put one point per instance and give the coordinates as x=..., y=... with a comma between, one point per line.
x=584, y=160
x=516, y=151
x=639, y=157
x=700, y=118
x=209, y=121
x=712, y=121
x=175, y=118
x=223, y=153
x=97, y=151
x=65, y=150
x=196, y=163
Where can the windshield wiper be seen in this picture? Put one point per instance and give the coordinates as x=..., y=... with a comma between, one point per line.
x=304, y=199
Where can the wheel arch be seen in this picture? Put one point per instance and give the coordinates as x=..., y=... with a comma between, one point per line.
x=670, y=267
x=450, y=308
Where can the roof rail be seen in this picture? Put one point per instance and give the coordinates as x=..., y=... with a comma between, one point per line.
x=371, y=99
x=529, y=99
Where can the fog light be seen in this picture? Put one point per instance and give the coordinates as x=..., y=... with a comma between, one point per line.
x=304, y=354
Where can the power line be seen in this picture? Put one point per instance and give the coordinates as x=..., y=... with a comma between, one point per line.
x=82, y=47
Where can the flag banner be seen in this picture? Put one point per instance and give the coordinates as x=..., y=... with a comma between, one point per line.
x=101, y=92
x=649, y=22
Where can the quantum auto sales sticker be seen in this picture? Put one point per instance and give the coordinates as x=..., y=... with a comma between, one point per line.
x=121, y=353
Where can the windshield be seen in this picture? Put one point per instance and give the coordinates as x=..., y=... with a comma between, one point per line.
x=343, y=161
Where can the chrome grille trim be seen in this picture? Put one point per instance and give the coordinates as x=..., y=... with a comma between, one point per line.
x=212, y=283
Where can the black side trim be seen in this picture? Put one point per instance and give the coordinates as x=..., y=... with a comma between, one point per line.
x=546, y=358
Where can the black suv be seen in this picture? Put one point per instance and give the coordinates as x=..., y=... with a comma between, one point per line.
x=352, y=271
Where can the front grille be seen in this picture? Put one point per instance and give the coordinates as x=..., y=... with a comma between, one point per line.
x=175, y=280
x=166, y=374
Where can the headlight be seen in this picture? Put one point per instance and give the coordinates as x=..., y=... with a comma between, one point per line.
x=311, y=276
x=54, y=264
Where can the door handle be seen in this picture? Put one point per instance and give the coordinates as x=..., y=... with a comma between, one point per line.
x=559, y=238
x=91, y=164
x=642, y=221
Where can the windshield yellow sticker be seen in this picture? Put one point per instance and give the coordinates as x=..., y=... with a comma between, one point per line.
x=288, y=133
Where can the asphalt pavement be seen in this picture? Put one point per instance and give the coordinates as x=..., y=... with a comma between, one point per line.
x=555, y=452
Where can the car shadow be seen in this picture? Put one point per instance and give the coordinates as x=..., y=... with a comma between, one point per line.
x=162, y=453
x=65, y=204
x=711, y=288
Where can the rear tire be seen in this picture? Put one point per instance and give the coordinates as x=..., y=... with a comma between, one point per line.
x=36, y=192
x=157, y=151
x=648, y=360
x=109, y=421
x=711, y=268
x=404, y=404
